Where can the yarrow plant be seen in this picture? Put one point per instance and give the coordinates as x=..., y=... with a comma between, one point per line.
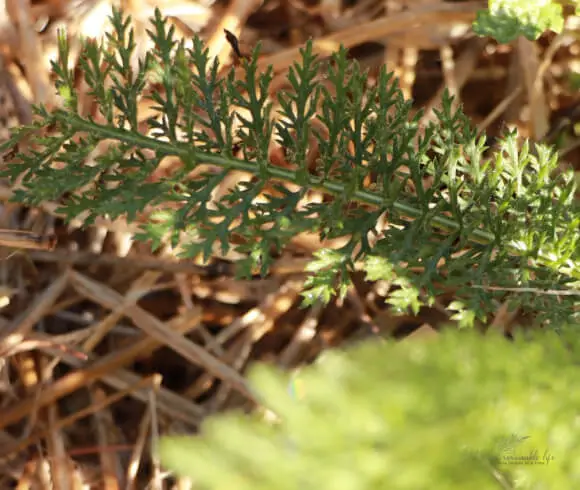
x=505, y=20
x=461, y=411
x=425, y=208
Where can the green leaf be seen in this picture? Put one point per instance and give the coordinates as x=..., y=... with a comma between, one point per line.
x=459, y=411
x=426, y=209
x=505, y=20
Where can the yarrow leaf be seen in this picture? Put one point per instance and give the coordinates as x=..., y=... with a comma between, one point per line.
x=432, y=206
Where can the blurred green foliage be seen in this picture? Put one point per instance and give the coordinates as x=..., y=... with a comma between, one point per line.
x=505, y=20
x=463, y=411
